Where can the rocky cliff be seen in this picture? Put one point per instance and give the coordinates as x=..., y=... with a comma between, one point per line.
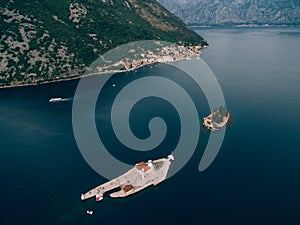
x=235, y=12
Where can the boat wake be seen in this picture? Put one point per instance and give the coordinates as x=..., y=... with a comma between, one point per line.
x=67, y=99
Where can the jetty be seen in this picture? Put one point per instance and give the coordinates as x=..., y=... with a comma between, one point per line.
x=141, y=176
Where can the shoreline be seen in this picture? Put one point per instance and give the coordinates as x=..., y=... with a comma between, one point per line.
x=188, y=54
x=41, y=83
x=243, y=26
x=72, y=77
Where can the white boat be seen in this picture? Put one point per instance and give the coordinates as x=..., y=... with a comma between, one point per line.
x=55, y=99
x=90, y=212
x=99, y=198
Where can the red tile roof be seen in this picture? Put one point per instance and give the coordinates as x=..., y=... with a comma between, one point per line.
x=127, y=188
x=142, y=165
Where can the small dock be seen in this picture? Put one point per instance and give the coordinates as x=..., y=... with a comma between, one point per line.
x=141, y=176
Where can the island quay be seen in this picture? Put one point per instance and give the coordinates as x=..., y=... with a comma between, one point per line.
x=141, y=176
x=217, y=119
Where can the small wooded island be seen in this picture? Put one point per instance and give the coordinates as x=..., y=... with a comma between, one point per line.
x=217, y=119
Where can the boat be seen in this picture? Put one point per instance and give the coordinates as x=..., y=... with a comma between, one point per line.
x=141, y=176
x=98, y=198
x=55, y=99
x=217, y=119
x=90, y=212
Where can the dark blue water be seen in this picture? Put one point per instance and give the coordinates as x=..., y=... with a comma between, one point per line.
x=254, y=179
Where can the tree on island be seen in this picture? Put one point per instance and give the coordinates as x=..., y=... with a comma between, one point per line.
x=219, y=114
x=222, y=110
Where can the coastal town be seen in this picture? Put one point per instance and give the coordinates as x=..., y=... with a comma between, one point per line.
x=167, y=54
x=140, y=57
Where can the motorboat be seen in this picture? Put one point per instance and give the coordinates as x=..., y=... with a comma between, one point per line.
x=90, y=212
x=55, y=99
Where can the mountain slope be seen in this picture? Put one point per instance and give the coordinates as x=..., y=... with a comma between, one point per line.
x=43, y=40
x=235, y=12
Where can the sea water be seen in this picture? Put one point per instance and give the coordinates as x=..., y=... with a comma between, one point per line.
x=254, y=179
